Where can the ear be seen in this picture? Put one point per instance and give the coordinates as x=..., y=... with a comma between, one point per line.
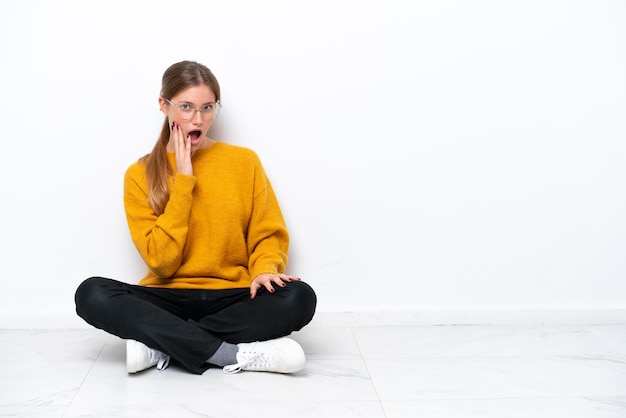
x=163, y=105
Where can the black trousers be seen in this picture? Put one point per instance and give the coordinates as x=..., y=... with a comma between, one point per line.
x=190, y=324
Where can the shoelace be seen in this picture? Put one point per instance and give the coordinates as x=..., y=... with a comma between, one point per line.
x=162, y=360
x=251, y=358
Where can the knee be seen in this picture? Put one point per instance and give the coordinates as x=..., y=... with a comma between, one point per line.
x=89, y=295
x=302, y=299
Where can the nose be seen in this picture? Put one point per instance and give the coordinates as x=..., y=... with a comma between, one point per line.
x=197, y=117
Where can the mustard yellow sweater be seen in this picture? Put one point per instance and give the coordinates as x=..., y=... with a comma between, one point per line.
x=221, y=227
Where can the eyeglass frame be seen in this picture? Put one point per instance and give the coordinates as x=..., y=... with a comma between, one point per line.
x=217, y=106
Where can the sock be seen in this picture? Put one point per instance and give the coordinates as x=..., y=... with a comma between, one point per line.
x=225, y=355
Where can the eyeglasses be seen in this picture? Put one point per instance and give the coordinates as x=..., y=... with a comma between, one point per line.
x=208, y=111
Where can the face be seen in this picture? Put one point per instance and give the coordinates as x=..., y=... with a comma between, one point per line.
x=197, y=127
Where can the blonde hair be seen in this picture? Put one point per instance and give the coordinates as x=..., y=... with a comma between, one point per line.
x=176, y=78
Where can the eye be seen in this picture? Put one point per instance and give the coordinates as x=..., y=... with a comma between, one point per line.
x=207, y=107
x=185, y=106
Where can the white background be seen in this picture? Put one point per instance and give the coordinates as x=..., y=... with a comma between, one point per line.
x=428, y=155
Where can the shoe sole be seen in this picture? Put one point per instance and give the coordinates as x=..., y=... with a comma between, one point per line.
x=131, y=356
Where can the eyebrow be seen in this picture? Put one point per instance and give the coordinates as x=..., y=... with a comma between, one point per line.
x=191, y=103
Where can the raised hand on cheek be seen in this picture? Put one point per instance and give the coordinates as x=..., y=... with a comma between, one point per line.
x=182, y=148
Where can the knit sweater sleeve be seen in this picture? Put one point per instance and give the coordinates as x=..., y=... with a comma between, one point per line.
x=159, y=239
x=268, y=238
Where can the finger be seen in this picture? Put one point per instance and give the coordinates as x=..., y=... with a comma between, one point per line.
x=269, y=287
x=182, y=145
x=288, y=278
x=175, y=135
x=180, y=139
x=253, y=290
x=276, y=278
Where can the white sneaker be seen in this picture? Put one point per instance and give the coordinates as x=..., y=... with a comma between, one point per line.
x=140, y=357
x=282, y=355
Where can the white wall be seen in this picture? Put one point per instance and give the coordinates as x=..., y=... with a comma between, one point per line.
x=428, y=155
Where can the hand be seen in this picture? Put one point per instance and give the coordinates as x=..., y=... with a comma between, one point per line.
x=266, y=280
x=182, y=148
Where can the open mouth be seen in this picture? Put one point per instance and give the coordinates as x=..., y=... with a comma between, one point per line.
x=194, y=136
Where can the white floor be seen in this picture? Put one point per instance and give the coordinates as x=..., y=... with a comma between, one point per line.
x=421, y=371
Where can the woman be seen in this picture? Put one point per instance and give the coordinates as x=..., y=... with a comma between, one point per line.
x=206, y=221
